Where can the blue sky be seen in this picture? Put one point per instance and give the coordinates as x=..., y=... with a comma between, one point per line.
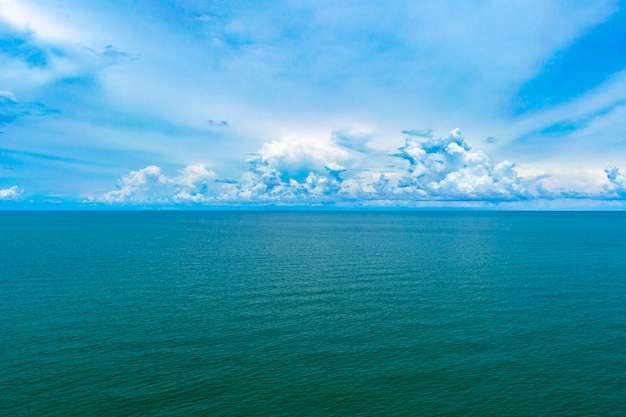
x=313, y=103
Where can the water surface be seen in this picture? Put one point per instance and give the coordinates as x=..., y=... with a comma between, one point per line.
x=312, y=313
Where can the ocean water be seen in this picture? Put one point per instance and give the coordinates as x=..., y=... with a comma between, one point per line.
x=312, y=314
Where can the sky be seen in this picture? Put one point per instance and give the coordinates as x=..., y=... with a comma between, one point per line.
x=348, y=104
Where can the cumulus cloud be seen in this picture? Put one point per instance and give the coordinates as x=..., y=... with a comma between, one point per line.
x=300, y=171
x=193, y=175
x=148, y=185
x=446, y=168
x=144, y=185
x=335, y=170
x=294, y=169
x=12, y=193
x=295, y=157
x=617, y=182
x=288, y=171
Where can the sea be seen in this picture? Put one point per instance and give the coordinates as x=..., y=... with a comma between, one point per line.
x=312, y=313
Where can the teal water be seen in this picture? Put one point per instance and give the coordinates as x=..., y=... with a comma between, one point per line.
x=312, y=314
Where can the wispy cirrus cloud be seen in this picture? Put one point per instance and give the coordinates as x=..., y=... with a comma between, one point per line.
x=424, y=133
x=12, y=109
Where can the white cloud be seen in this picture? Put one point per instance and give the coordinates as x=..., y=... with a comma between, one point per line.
x=295, y=157
x=617, y=181
x=194, y=176
x=12, y=193
x=296, y=171
x=302, y=171
x=194, y=183
x=446, y=168
x=335, y=170
x=145, y=185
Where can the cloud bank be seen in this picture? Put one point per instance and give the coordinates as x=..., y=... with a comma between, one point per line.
x=300, y=171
